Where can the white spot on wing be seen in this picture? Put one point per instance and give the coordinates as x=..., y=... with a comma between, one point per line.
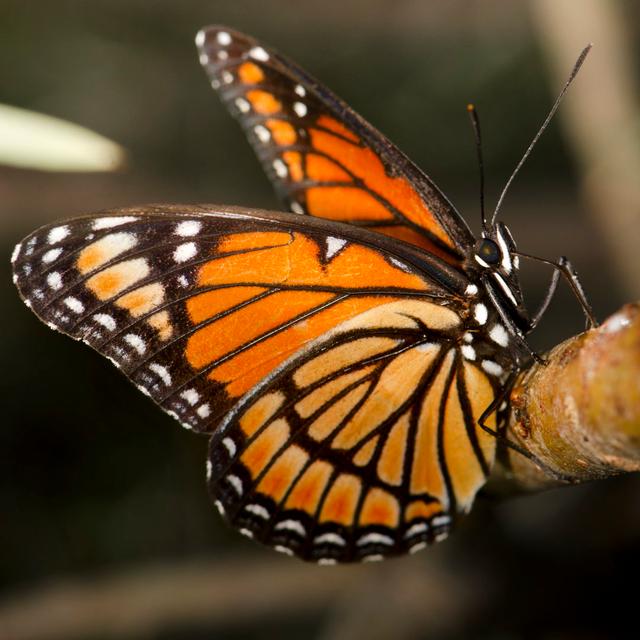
x=230, y=446
x=209, y=468
x=416, y=529
x=300, y=90
x=441, y=520
x=334, y=245
x=203, y=411
x=400, y=265
x=185, y=252
x=200, y=38
x=327, y=562
x=258, y=53
x=291, y=525
x=257, y=510
x=113, y=221
x=296, y=207
x=204, y=59
x=16, y=252
x=106, y=321
x=471, y=290
x=280, y=549
x=243, y=105
x=57, y=234
x=330, y=538
x=280, y=168
x=188, y=228
x=375, y=557
x=191, y=396
x=300, y=108
x=51, y=255
x=236, y=483
x=74, y=304
x=227, y=77
x=135, y=341
x=375, y=538
x=223, y=38
x=54, y=280
x=262, y=133
x=418, y=547
x=162, y=372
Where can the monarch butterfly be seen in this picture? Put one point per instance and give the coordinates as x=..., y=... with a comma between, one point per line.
x=346, y=358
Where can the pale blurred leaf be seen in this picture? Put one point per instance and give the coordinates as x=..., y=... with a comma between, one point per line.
x=36, y=141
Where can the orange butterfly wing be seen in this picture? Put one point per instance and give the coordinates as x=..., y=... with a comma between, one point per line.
x=364, y=444
x=323, y=158
x=318, y=355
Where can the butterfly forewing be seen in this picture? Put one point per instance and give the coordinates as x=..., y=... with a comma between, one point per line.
x=320, y=357
x=323, y=158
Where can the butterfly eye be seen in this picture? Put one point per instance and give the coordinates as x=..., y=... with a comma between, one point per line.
x=488, y=252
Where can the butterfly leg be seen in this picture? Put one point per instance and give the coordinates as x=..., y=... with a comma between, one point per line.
x=551, y=292
x=502, y=396
x=565, y=268
x=494, y=407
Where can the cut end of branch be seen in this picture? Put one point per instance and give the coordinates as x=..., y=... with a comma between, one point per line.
x=579, y=414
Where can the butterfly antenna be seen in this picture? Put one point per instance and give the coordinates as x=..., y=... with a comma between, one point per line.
x=475, y=123
x=556, y=104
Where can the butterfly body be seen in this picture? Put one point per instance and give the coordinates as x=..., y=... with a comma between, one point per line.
x=339, y=356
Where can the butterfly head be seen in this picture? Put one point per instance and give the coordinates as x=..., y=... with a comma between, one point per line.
x=495, y=254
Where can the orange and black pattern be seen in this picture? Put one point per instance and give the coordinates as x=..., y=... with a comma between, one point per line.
x=323, y=158
x=330, y=365
x=363, y=445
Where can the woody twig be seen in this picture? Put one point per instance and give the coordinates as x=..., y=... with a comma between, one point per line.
x=580, y=414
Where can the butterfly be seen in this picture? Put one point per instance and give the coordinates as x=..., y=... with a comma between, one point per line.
x=342, y=357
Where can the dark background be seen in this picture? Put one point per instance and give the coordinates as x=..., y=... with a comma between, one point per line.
x=106, y=530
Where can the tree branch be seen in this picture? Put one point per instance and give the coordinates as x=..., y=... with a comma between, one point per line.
x=580, y=414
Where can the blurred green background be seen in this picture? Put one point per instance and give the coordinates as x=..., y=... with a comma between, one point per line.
x=106, y=530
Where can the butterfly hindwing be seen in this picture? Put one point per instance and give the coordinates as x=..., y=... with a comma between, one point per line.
x=363, y=445
x=320, y=357
x=323, y=158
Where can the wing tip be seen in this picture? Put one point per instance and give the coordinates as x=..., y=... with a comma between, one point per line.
x=223, y=35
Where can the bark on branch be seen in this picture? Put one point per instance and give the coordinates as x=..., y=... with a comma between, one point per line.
x=580, y=414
